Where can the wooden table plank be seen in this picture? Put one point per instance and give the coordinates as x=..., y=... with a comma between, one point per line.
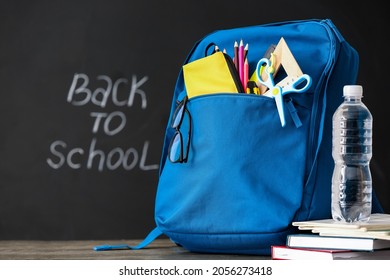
x=162, y=249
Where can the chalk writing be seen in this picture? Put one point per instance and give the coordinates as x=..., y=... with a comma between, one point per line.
x=108, y=118
x=110, y=123
x=78, y=157
x=81, y=95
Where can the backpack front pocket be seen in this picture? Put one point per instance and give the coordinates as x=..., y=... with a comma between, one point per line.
x=244, y=173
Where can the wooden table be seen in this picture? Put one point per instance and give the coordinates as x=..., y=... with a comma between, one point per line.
x=160, y=249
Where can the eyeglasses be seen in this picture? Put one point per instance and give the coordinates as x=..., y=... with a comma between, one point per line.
x=176, y=151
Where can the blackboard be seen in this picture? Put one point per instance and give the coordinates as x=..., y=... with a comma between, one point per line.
x=85, y=92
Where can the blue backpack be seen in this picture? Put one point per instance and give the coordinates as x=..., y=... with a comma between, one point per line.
x=232, y=178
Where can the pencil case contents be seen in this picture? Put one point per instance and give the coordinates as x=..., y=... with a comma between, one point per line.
x=219, y=73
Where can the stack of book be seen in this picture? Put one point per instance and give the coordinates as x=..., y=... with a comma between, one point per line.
x=329, y=240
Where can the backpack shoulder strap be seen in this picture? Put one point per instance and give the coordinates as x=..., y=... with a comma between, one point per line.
x=156, y=232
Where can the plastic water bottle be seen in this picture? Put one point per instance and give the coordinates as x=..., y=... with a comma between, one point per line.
x=352, y=152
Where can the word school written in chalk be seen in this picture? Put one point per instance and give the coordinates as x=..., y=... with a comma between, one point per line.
x=78, y=157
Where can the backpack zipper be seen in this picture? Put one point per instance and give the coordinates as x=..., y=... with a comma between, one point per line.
x=234, y=73
x=316, y=121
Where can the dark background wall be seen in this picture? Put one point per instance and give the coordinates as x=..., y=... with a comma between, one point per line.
x=85, y=91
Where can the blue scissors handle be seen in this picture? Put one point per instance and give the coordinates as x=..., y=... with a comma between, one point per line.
x=301, y=84
x=269, y=83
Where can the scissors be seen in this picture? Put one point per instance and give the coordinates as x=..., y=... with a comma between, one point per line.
x=277, y=91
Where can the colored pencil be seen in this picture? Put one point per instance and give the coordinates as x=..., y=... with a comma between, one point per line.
x=246, y=74
x=241, y=62
x=235, y=59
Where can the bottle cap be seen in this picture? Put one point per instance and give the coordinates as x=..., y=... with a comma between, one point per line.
x=353, y=90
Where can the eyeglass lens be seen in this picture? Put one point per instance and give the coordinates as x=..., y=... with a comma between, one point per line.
x=176, y=149
x=175, y=152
